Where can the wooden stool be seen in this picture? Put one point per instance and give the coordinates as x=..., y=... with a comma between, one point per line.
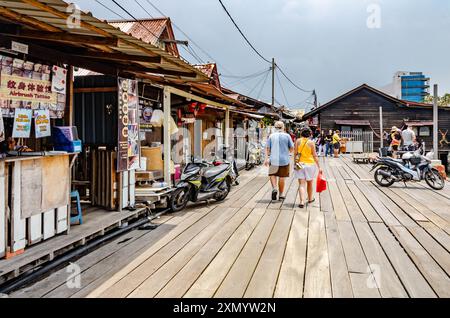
x=79, y=217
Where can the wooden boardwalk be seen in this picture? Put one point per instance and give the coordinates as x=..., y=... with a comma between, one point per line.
x=356, y=240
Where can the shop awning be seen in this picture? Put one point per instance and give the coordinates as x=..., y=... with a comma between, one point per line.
x=418, y=123
x=91, y=44
x=251, y=115
x=353, y=122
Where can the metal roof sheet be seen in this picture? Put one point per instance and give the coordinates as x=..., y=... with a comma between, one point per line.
x=51, y=15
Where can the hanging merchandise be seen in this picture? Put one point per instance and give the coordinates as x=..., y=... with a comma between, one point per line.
x=22, y=123
x=59, y=80
x=42, y=123
x=157, y=118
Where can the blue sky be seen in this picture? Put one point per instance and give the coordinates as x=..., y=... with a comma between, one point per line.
x=321, y=44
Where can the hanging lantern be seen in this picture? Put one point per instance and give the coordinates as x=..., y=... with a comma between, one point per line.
x=192, y=107
x=202, y=107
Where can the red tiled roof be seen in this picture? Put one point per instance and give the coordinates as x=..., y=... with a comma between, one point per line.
x=149, y=31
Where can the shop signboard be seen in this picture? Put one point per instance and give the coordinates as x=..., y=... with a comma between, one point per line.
x=128, y=156
x=17, y=88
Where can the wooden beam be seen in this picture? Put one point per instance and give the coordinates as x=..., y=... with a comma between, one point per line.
x=121, y=57
x=95, y=89
x=47, y=54
x=64, y=15
x=64, y=37
x=22, y=19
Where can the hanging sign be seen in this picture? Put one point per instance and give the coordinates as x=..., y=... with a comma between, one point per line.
x=59, y=80
x=19, y=47
x=128, y=135
x=42, y=123
x=22, y=123
x=17, y=88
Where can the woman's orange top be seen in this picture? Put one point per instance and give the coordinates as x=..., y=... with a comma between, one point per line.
x=306, y=152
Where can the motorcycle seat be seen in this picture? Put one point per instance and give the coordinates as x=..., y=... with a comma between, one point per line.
x=214, y=171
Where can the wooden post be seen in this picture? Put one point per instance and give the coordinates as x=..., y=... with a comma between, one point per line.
x=68, y=115
x=166, y=134
x=381, y=127
x=227, y=127
x=435, y=123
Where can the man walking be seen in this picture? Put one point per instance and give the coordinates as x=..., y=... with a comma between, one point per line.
x=409, y=138
x=278, y=149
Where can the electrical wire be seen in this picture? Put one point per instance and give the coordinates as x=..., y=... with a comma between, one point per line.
x=110, y=10
x=295, y=85
x=244, y=76
x=262, y=87
x=258, y=83
x=243, y=35
x=190, y=38
x=127, y=12
x=282, y=88
x=142, y=7
x=243, y=80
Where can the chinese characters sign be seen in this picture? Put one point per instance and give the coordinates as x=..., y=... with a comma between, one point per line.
x=18, y=88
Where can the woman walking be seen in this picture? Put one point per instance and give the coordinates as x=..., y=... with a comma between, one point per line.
x=306, y=165
x=336, y=143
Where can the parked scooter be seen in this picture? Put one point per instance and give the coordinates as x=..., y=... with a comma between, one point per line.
x=202, y=181
x=254, y=155
x=413, y=166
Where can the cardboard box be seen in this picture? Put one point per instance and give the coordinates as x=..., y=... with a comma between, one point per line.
x=154, y=158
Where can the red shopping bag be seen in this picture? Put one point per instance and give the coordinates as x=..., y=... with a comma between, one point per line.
x=321, y=184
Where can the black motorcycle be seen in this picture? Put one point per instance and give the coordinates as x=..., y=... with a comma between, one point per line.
x=202, y=181
x=413, y=166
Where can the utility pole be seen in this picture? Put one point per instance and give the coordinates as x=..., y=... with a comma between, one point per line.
x=315, y=98
x=435, y=123
x=273, y=81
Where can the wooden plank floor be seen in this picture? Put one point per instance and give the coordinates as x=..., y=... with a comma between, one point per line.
x=356, y=240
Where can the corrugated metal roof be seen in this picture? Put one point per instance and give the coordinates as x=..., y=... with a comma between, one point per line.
x=51, y=16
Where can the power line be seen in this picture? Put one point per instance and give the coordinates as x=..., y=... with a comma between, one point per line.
x=127, y=12
x=258, y=83
x=282, y=88
x=142, y=7
x=243, y=35
x=189, y=38
x=110, y=10
x=295, y=85
x=244, y=76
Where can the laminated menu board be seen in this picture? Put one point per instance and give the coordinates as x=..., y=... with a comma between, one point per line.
x=128, y=156
x=42, y=123
x=22, y=123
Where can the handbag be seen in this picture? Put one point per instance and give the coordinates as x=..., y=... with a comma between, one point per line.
x=298, y=165
x=321, y=184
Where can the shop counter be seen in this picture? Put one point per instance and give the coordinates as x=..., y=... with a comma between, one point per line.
x=34, y=200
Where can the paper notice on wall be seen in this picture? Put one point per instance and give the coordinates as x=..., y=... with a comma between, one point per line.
x=22, y=123
x=59, y=80
x=2, y=129
x=42, y=123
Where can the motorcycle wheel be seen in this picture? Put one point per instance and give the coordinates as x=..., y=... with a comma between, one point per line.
x=381, y=180
x=434, y=179
x=223, y=195
x=179, y=199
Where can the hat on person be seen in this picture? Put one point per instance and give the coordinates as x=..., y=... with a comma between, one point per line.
x=279, y=125
x=394, y=128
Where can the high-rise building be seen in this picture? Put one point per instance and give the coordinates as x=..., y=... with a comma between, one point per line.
x=409, y=86
x=412, y=86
